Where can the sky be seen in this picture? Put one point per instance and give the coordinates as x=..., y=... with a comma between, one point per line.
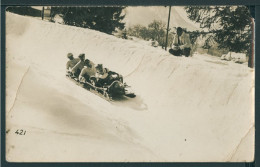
x=144, y=15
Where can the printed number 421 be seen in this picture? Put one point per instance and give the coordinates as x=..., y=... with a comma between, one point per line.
x=20, y=132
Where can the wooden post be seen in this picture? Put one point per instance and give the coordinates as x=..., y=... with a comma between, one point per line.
x=166, y=43
x=42, y=12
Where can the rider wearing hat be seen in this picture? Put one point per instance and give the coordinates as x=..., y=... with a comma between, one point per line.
x=88, y=71
x=79, y=66
x=72, y=61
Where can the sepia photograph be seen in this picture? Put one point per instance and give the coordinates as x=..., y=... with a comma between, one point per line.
x=130, y=84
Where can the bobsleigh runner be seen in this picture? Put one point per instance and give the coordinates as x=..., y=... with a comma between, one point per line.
x=115, y=88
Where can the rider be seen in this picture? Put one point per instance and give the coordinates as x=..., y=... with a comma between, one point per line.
x=105, y=76
x=88, y=71
x=72, y=62
x=79, y=66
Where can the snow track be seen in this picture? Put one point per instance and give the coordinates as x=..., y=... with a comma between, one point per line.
x=184, y=109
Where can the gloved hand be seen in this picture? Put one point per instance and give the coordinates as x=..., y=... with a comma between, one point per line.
x=82, y=79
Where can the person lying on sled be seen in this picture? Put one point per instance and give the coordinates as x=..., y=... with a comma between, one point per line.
x=181, y=44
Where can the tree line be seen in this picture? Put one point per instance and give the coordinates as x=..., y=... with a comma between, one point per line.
x=230, y=27
x=156, y=30
x=227, y=28
x=104, y=19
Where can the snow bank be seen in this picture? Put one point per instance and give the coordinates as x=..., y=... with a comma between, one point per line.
x=236, y=57
x=184, y=109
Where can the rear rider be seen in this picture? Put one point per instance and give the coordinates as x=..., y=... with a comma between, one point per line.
x=72, y=62
x=79, y=66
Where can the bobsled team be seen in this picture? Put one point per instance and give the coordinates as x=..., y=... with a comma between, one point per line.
x=84, y=70
x=104, y=81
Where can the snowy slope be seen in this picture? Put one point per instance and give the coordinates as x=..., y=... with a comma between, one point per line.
x=184, y=109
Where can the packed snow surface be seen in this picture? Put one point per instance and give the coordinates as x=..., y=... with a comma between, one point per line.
x=187, y=109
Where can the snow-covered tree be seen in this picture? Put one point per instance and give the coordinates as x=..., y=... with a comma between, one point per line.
x=229, y=26
x=104, y=19
x=157, y=31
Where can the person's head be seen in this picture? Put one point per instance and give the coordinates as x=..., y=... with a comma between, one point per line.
x=70, y=56
x=179, y=31
x=99, y=67
x=82, y=56
x=87, y=63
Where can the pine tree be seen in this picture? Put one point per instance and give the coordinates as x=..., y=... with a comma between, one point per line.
x=104, y=19
x=230, y=26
